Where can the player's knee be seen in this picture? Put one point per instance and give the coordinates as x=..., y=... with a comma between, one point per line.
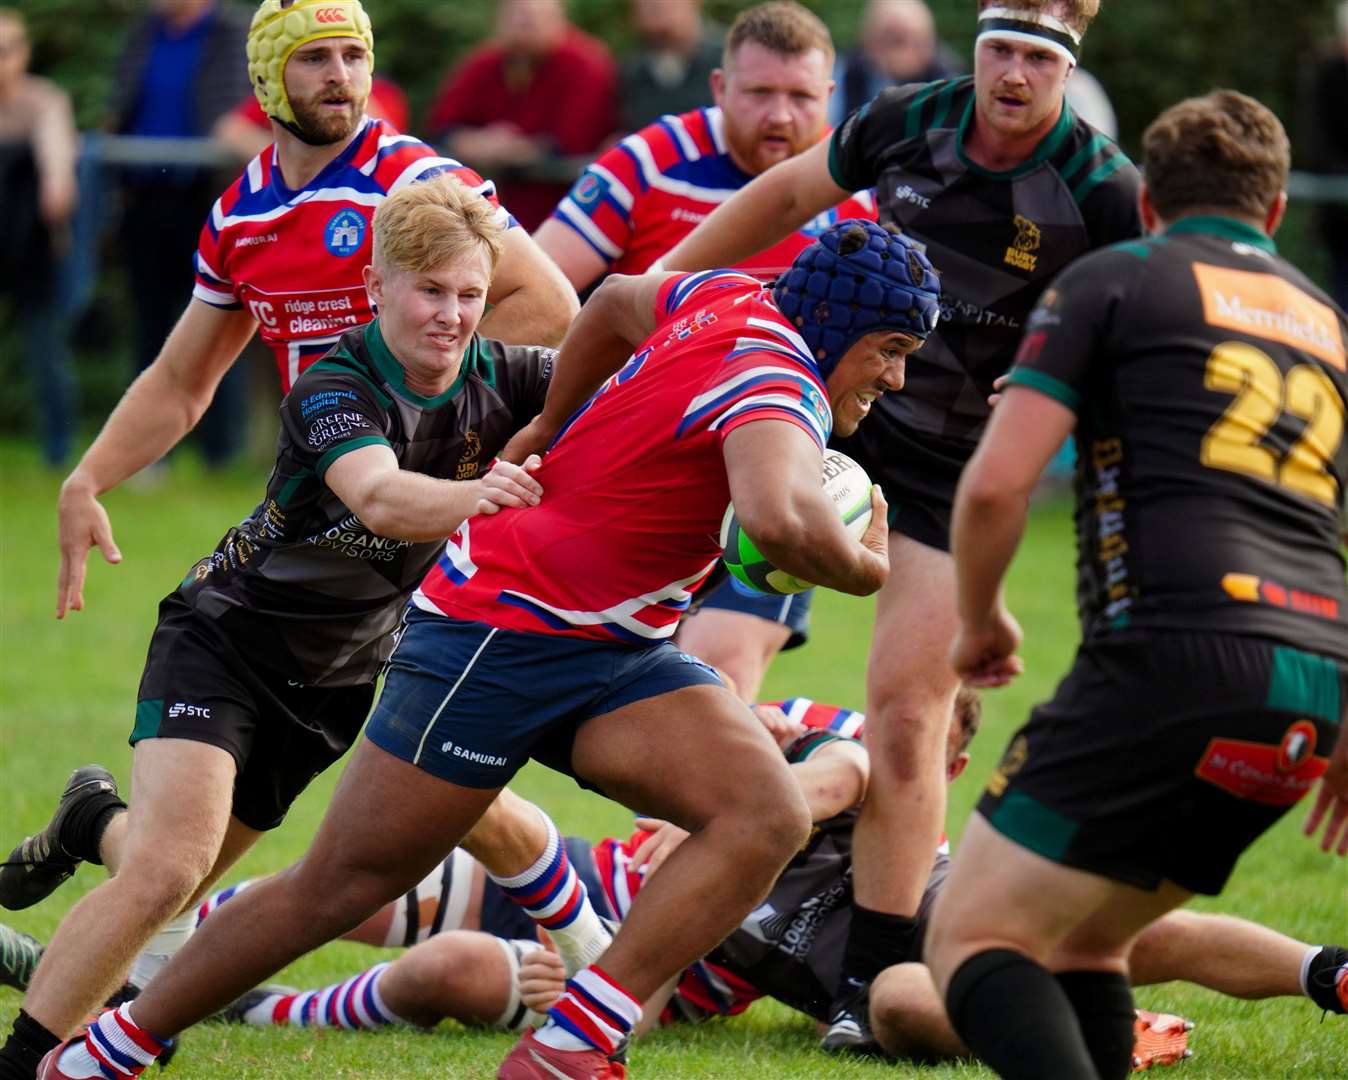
x=893, y=1005
x=157, y=889
x=782, y=826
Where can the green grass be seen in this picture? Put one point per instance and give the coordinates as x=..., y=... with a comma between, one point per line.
x=67, y=693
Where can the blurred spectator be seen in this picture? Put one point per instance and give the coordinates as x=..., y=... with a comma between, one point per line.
x=248, y=131
x=541, y=90
x=671, y=70
x=897, y=45
x=180, y=70
x=38, y=192
x=1326, y=120
x=1087, y=98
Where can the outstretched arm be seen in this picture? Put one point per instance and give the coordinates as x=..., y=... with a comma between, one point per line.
x=532, y=303
x=157, y=410
x=771, y=207
x=991, y=504
x=615, y=320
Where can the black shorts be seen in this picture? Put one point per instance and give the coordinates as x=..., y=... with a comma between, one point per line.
x=1163, y=757
x=281, y=734
x=917, y=473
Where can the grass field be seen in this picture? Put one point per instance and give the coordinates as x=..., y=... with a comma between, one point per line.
x=67, y=693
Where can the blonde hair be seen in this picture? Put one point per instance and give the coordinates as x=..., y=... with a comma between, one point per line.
x=781, y=26
x=1075, y=13
x=1223, y=151
x=433, y=222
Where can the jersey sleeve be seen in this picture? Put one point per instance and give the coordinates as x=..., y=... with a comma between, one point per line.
x=1106, y=189
x=809, y=743
x=600, y=204
x=327, y=415
x=212, y=284
x=858, y=145
x=1065, y=334
x=528, y=372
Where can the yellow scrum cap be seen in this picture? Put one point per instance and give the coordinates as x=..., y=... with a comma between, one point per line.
x=280, y=27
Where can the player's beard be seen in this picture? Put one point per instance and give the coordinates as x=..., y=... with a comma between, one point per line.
x=323, y=128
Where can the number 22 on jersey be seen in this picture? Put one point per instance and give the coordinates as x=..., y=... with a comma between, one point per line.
x=1262, y=396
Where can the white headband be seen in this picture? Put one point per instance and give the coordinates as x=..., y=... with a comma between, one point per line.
x=1031, y=28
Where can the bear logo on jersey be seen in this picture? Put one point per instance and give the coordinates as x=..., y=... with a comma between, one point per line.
x=344, y=233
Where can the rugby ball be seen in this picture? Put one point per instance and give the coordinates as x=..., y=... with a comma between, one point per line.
x=848, y=489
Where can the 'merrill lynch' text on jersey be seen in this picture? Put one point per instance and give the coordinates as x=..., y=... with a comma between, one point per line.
x=635, y=485
x=997, y=238
x=294, y=258
x=1209, y=378
x=639, y=199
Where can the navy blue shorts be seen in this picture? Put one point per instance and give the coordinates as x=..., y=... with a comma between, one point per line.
x=793, y=612
x=471, y=703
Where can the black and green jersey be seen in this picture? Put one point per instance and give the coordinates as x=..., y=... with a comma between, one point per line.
x=997, y=238
x=1208, y=378
x=302, y=586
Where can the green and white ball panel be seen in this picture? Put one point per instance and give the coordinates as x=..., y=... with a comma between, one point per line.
x=848, y=489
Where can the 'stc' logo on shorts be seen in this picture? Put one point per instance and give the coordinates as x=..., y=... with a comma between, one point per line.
x=181, y=708
x=329, y=15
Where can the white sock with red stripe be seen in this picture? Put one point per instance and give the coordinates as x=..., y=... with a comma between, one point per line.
x=353, y=1004
x=595, y=1013
x=113, y=1048
x=555, y=898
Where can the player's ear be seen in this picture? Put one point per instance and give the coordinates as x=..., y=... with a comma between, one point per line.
x=957, y=766
x=374, y=285
x=1275, y=213
x=717, y=81
x=1151, y=221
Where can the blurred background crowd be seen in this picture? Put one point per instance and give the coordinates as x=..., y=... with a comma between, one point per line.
x=121, y=120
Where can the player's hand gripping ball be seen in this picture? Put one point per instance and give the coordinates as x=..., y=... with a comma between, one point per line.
x=848, y=489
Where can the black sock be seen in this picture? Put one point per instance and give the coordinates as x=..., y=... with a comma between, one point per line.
x=875, y=941
x=1103, y=1002
x=1014, y=1016
x=28, y=1044
x=1320, y=978
x=82, y=831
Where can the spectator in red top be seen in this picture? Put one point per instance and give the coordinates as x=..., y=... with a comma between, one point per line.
x=540, y=90
x=248, y=131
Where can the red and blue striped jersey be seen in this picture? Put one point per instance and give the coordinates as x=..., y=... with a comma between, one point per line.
x=634, y=484
x=294, y=258
x=640, y=198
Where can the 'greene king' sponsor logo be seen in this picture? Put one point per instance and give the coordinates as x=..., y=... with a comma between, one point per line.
x=1269, y=307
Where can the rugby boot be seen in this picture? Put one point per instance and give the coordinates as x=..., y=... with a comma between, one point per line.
x=534, y=1060
x=1327, y=979
x=38, y=865
x=1159, y=1039
x=236, y=1011
x=19, y=954
x=849, y=1024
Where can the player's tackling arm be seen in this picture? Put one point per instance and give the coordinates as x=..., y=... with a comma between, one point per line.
x=581, y=264
x=157, y=410
x=991, y=504
x=404, y=505
x=774, y=469
x=770, y=208
x=614, y=321
x=532, y=302
x=833, y=778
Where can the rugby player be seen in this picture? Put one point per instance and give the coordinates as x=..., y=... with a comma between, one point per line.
x=1004, y=186
x=283, y=251
x=262, y=666
x=543, y=632
x=640, y=198
x=1205, y=378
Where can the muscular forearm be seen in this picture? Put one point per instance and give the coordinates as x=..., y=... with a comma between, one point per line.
x=986, y=531
x=152, y=417
x=409, y=506
x=812, y=545
x=833, y=779
x=771, y=207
